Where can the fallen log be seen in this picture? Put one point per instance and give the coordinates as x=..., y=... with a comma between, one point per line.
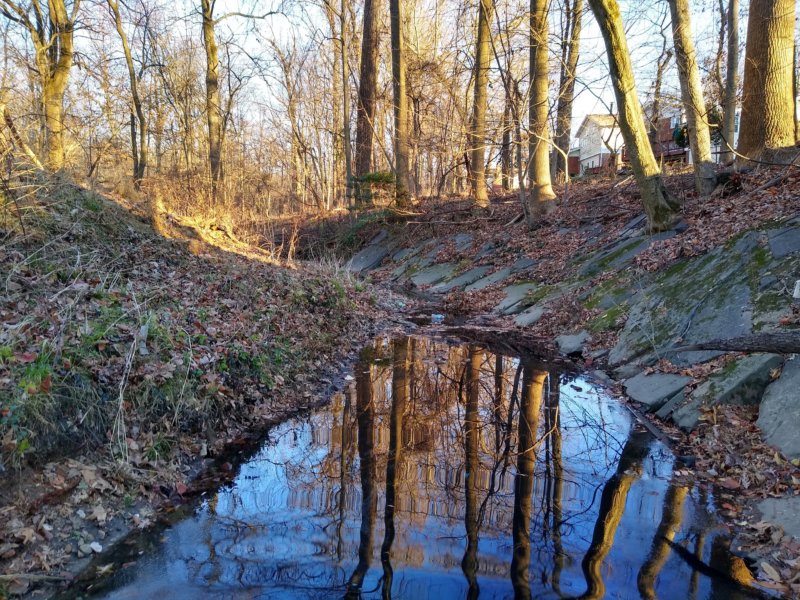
x=783, y=342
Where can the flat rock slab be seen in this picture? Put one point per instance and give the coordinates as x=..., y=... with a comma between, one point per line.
x=655, y=389
x=741, y=382
x=784, y=512
x=433, y=274
x=368, y=258
x=485, y=282
x=515, y=295
x=779, y=413
x=529, y=316
x=462, y=280
x=572, y=343
x=783, y=242
x=615, y=255
x=462, y=241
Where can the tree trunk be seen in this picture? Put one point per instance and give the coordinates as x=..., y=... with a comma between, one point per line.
x=566, y=89
x=213, y=106
x=54, y=55
x=692, y=96
x=367, y=91
x=767, y=105
x=348, y=153
x=505, y=147
x=661, y=207
x=731, y=83
x=541, y=197
x=477, y=133
x=400, y=107
x=140, y=155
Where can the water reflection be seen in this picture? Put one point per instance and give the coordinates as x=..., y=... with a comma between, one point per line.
x=494, y=476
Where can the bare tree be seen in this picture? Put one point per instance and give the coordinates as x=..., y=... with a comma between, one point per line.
x=540, y=201
x=477, y=132
x=570, y=52
x=731, y=81
x=400, y=106
x=367, y=91
x=661, y=207
x=692, y=96
x=51, y=31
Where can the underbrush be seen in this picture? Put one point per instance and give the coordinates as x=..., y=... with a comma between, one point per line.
x=116, y=338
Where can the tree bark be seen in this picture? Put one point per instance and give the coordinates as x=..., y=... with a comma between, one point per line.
x=767, y=105
x=51, y=34
x=140, y=153
x=692, y=95
x=541, y=197
x=787, y=342
x=348, y=152
x=661, y=207
x=400, y=107
x=731, y=83
x=566, y=89
x=213, y=106
x=367, y=91
x=477, y=133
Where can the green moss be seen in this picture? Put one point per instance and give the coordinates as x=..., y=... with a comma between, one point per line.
x=607, y=320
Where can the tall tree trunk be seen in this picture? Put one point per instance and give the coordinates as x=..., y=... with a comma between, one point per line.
x=477, y=132
x=566, y=88
x=337, y=140
x=692, y=94
x=661, y=207
x=348, y=152
x=367, y=94
x=541, y=197
x=400, y=107
x=767, y=105
x=53, y=45
x=505, y=147
x=731, y=83
x=140, y=154
x=213, y=105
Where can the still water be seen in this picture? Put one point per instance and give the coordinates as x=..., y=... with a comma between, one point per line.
x=446, y=471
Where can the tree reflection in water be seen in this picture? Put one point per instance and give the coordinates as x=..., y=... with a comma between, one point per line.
x=495, y=476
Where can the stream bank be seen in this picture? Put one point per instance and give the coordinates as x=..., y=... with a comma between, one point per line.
x=603, y=290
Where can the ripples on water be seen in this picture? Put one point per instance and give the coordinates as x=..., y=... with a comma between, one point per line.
x=445, y=471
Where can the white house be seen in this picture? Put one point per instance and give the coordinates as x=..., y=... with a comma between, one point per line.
x=598, y=135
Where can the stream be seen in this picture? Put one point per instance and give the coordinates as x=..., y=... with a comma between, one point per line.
x=442, y=471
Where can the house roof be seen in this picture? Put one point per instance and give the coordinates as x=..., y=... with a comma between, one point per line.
x=601, y=121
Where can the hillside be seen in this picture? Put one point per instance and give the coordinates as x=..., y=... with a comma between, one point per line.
x=129, y=360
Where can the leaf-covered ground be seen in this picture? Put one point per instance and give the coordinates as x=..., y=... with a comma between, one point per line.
x=128, y=361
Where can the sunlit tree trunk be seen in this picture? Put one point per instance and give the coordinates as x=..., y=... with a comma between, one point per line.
x=140, y=153
x=692, y=94
x=367, y=92
x=661, y=207
x=51, y=34
x=505, y=146
x=477, y=132
x=768, y=102
x=541, y=197
x=348, y=152
x=400, y=106
x=731, y=83
x=213, y=105
x=570, y=53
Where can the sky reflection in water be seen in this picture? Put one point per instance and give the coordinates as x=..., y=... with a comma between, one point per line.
x=441, y=472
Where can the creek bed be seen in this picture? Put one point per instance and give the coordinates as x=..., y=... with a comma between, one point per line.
x=443, y=471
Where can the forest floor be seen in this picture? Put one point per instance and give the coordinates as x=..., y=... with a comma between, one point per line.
x=138, y=368
x=726, y=449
